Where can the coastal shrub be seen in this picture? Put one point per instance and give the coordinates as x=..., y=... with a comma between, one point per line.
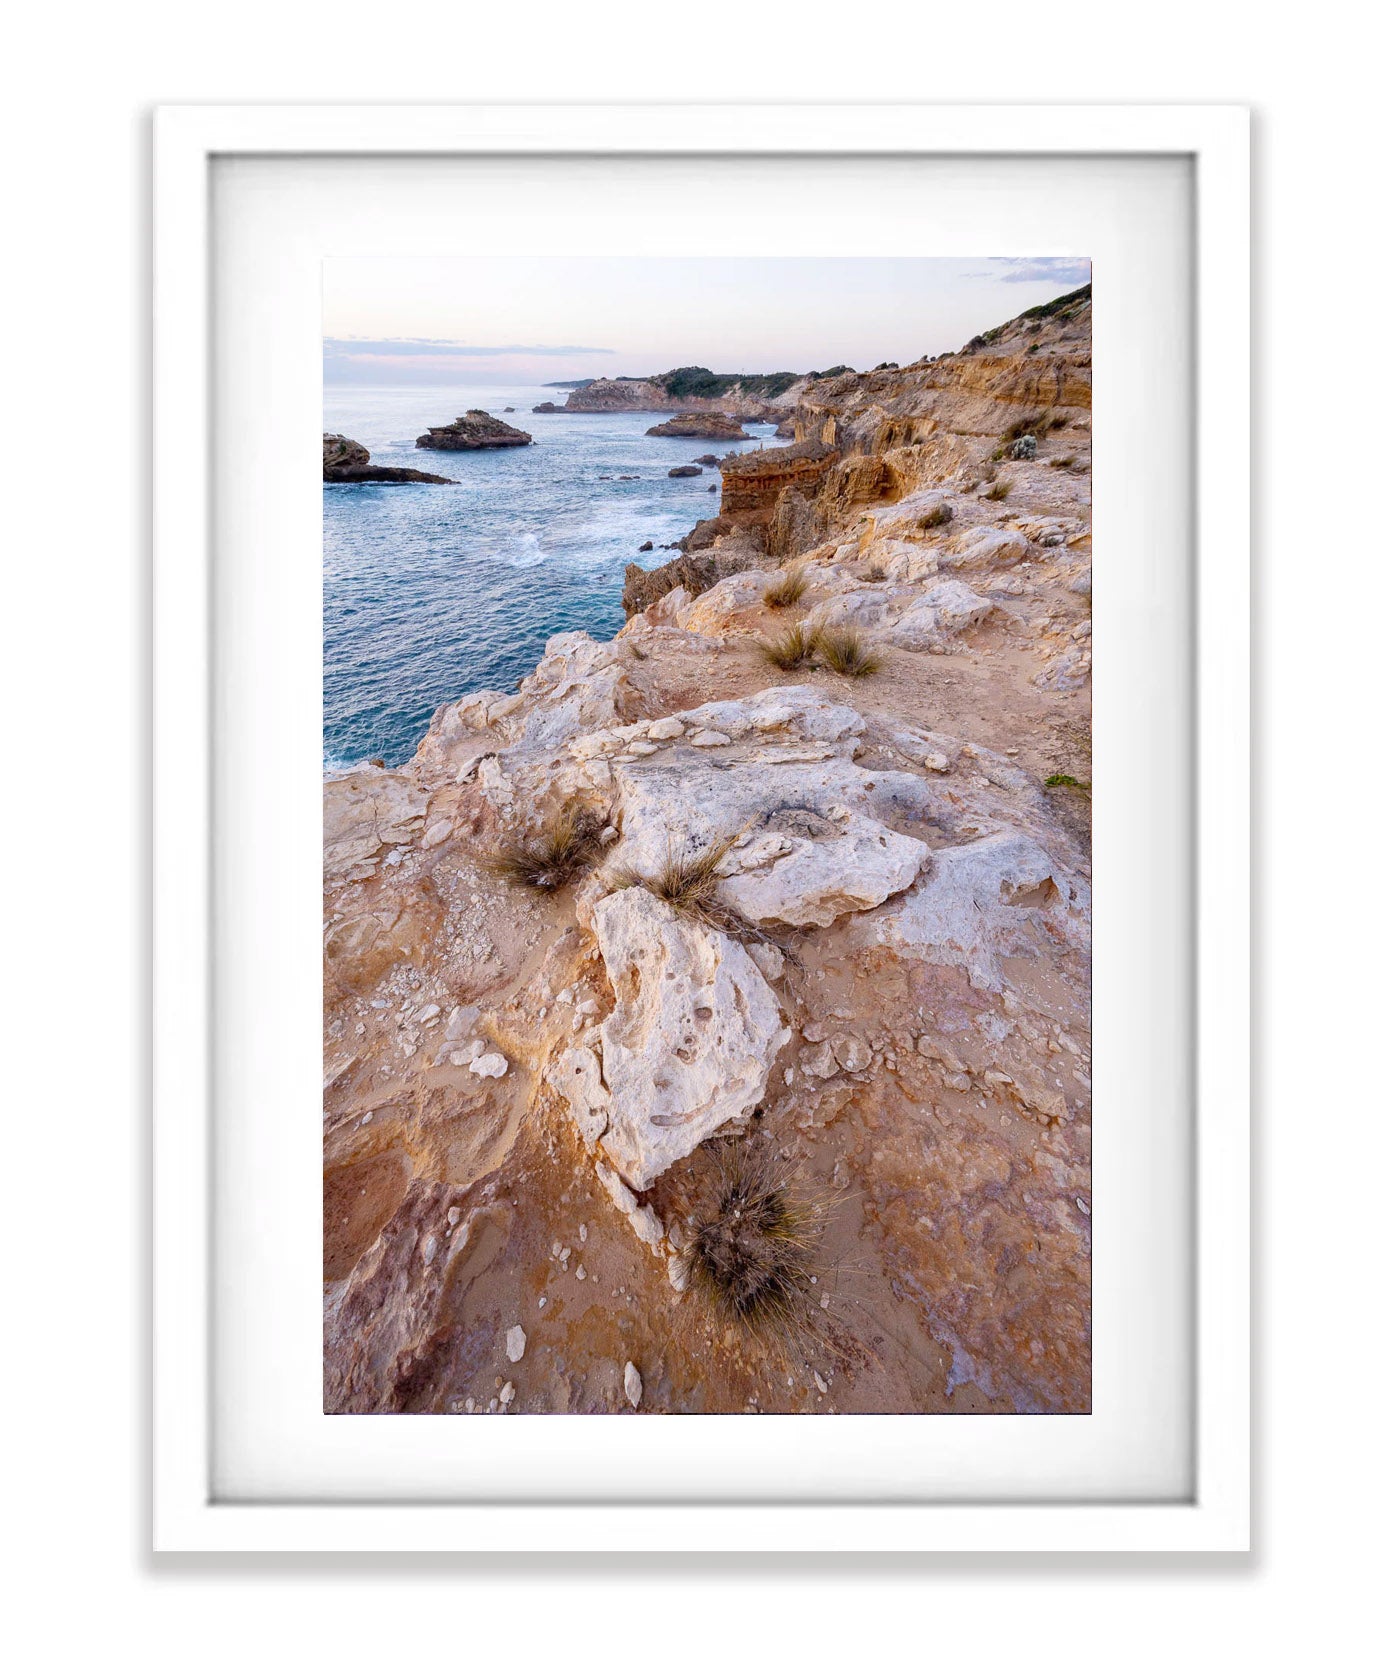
x=1000, y=490
x=570, y=842
x=687, y=382
x=1057, y=307
x=789, y=650
x=753, y=1244
x=787, y=588
x=1059, y=779
x=846, y=653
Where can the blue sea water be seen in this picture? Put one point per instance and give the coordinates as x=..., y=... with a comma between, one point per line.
x=433, y=591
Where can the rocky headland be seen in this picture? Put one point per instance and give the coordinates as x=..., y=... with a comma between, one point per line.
x=696, y=390
x=343, y=461
x=800, y=858
x=476, y=429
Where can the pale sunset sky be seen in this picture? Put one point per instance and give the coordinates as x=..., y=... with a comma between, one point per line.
x=529, y=320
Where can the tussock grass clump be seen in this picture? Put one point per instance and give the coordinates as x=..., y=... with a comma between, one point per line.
x=789, y=650
x=688, y=884
x=846, y=653
x=1035, y=425
x=787, y=588
x=1063, y=461
x=1000, y=490
x=941, y=515
x=874, y=574
x=570, y=842
x=753, y=1241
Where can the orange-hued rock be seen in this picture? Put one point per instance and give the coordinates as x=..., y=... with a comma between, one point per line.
x=884, y=983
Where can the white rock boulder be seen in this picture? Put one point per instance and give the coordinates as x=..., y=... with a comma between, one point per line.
x=982, y=903
x=932, y=622
x=987, y=545
x=692, y=1038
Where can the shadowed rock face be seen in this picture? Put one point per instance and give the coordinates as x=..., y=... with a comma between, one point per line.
x=343, y=461
x=476, y=429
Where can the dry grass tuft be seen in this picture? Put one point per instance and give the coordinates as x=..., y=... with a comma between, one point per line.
x=754, y=1240
x=941, y=515
x=787, y=588
x=789, y=650
x=1000, y=490
x=688, y=884
x=570, y=842
x=874, y=574
x=846, y=653
x=1034, y=425
x=691, y=887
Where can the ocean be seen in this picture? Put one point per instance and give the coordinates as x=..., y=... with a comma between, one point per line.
x=434, y=591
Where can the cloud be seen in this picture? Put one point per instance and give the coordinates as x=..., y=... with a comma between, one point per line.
x=1063, y=271
x=355, y=349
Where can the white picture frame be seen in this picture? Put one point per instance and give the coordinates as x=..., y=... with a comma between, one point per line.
x=188, y=1515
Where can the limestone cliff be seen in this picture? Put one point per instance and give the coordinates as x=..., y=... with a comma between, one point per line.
x=888, y=988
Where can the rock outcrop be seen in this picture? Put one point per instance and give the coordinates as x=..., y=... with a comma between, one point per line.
x=716, y=428
x=844, y=918
x=343, y=461
x=476, y=429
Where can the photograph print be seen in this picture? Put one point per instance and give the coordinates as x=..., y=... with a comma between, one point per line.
x=707, y=808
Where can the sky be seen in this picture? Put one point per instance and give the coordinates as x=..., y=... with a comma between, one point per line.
x=531, y=320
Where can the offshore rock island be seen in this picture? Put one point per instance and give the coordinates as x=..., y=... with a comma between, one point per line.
x=794, y=869
x=476, y=429
x=343, y=461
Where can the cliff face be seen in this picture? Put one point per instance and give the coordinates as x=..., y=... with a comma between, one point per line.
x=887, y=987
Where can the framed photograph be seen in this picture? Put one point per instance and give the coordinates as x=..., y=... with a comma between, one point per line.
x=702, y=945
